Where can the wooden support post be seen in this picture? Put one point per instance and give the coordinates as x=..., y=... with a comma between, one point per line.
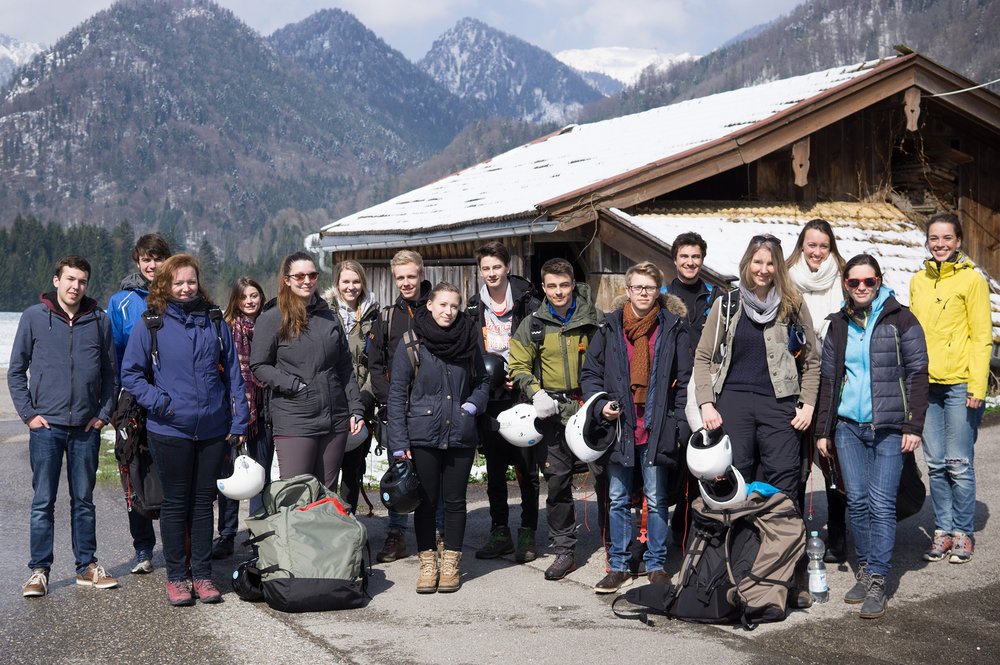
x=800, y=162
x=911, y=102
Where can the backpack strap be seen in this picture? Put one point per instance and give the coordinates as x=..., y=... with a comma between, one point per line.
x=536, y=334
x=386, y=316
x=153, y=322
x=412, y=345
x=215, y=316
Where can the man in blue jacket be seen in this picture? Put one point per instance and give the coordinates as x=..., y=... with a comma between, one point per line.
x=65, y=343
x=125, y=308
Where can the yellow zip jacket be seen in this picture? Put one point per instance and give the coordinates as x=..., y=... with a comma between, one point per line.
x=952, y=302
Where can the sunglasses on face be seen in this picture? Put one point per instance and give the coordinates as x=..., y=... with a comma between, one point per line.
x=870, y=282
x=300, y=277
x=767, y=237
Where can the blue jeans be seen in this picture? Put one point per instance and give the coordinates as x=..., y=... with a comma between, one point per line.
x=46, y=447
x=188, y=471
x=949, y=439
x=872, y=461
x=654, y=483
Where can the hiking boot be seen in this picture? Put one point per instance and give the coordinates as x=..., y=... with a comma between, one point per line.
x=206, y=591
x=856, y=594
x=659, y=577
x=451, y=573
x=179, y=593
x=427, y=582
x=613, y=581
x=222, y=548
x=393, y=548
x=561, y=567
x=500, y=543
x=940, y=547
x=875, y=600
x=37, y=585
x=96, y=577
x=836, y=546
x=961, y=548
x=525, y=545
x=143, y=563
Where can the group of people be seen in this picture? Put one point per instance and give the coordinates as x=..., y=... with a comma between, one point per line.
x=846, y=367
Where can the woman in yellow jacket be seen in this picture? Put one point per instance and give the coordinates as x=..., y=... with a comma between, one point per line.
x=951, y=301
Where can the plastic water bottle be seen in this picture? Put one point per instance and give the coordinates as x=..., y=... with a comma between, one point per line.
x=818, y=587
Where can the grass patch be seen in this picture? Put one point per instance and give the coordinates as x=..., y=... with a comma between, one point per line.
x=107, y=465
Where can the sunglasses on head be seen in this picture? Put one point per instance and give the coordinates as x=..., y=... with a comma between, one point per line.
x=854, y=283
x=767, y=237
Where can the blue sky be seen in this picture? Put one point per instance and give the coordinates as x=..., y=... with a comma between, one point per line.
x=671, y=26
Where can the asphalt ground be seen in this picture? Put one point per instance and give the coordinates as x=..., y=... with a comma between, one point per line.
x=504, y=612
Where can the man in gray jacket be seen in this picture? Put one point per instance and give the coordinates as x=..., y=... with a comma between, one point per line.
x=65, y=343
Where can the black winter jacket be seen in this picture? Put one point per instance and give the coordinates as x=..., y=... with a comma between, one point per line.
x=606, y=369
x=426, y=410
x=898, y=371
x=384, y=343
x=320, y=358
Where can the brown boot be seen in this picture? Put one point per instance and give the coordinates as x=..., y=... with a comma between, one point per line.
x=450, y=573
x=428, y=580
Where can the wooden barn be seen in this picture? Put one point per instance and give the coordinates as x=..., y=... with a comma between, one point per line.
x=874, y=148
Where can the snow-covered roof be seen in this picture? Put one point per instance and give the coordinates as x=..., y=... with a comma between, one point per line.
x=879, y=229
x=513, y=185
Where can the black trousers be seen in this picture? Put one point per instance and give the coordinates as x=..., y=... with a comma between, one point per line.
x=765, y=445
x=499, y=456
x=352, y=473
x=442, y=473
x=557, y=467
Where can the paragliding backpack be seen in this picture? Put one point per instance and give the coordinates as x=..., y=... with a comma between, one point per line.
x=140, y=482
x=738, y=566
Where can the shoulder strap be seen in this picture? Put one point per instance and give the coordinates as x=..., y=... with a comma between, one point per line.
x=386, y=320
x=412, y=345
x=536, y=333
x=215, y=316
x=153, y=322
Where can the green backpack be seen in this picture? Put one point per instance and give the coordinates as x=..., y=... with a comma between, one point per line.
x=309, y=548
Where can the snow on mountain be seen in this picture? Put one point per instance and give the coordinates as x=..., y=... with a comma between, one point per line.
x=13, y=54
x=623, y=63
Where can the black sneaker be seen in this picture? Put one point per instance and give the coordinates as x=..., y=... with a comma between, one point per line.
x=500, y=543
x=561, y=567
x=857, y=593
x=222, y=547
x=613, y=581
x=525, y=545
x=393, y=548
x=875, y=600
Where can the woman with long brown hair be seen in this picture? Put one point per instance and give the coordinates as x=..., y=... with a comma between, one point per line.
x=192, y=389
x=300, y=351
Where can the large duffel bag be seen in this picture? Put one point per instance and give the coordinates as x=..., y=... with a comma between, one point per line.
x=310, y=549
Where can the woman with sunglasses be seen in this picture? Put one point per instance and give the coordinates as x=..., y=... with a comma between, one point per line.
x=300, y=351
x=872, y=401
x=763, y=412
x=815, y=268
x=952, y=300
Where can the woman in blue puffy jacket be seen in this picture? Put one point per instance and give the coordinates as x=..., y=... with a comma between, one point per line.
x=438, y=386
x=193, y=392
x=872, y=401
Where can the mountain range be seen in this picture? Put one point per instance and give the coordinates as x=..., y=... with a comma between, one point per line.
x=175, y=115
x=13, y=54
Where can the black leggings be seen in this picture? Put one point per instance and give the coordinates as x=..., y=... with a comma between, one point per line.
x=442, y=473
x=320, y=456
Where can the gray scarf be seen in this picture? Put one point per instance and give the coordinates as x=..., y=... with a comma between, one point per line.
x=761, y=311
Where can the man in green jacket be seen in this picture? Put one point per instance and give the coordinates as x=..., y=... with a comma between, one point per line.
x=546, y=354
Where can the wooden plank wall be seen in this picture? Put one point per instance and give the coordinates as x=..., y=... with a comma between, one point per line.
x=979, y=208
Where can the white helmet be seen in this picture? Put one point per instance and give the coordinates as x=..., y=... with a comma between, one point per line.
x=518, y=426
x=355, y=440
x=247, y=479
x=577, y=427
x=709, y=454
x=725, y=491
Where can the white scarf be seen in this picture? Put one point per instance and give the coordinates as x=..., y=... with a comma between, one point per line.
x=820, y=290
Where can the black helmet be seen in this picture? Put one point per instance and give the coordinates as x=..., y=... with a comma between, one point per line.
x=496, y=373
x=400, y=487
x=247, y=582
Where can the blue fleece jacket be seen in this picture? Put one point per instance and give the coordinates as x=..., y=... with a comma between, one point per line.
x=125, y=308
x=856, y=398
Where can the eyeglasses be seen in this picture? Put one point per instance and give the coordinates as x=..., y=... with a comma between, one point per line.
x=643, y=289
x=300, y=277
x=767, y=237
x=870, y=282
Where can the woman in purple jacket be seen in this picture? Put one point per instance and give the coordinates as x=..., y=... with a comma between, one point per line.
x=192, y=389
